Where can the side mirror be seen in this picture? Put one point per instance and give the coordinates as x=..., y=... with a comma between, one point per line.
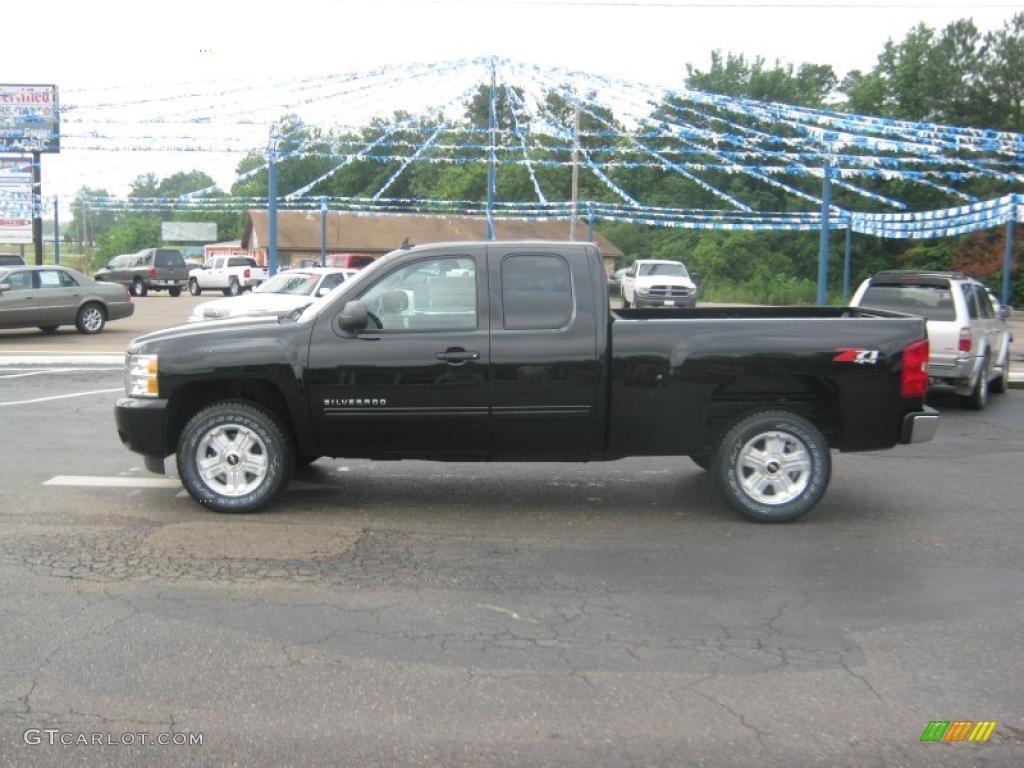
x=695, y=276
x=4, y=287
x=354, y=316
x=322, y=292
x=1005, y=312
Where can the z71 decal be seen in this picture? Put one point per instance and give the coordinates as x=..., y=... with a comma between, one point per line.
x=859, y=356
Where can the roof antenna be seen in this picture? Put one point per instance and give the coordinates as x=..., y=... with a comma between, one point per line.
x=406, y=245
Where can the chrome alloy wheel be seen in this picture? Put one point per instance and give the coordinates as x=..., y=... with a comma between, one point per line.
x=92, y=319
x=773, y=467
x=232, y=460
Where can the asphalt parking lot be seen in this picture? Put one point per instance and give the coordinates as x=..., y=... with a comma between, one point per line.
x=411, y=613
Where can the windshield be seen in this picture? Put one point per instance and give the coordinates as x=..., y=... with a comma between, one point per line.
x=291, y=283
x=927, y=301
x=663, y=270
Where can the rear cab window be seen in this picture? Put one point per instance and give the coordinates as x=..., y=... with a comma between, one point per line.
x=169, y=259
x=536, y=292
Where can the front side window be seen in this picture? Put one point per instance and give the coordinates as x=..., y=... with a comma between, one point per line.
x=536, y=292
x=431, y=295
x=16, y=281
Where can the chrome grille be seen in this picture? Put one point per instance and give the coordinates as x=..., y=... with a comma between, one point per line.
x=669, y=291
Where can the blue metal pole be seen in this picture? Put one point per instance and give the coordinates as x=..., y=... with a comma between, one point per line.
x=323, y=231
x=272, y=209
x=826, y=204
x=1007, y=260
x=56, y=230
x=590, y=223
x=846, y=263
x=491, y=160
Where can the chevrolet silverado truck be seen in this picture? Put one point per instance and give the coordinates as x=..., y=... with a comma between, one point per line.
x=228, y=274
x=509, y=351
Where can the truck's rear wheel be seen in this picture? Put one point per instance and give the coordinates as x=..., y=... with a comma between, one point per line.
x=772, y=466
x=234, y=457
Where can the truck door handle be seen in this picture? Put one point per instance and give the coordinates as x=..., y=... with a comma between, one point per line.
x=457, y=356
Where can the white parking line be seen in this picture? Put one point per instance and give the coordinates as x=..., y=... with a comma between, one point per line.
x=38, y=358
x=61, y=397
x=54, y=370
x=119, y=481
x=97, y=481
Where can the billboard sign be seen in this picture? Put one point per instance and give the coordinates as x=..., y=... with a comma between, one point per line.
x=15, y=200
x=188, y=231
x=29, y=118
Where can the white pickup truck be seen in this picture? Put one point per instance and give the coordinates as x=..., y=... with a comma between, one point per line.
x=228, y=274
x=658, y=283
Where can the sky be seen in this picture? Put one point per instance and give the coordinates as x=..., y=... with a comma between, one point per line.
x=95, y=47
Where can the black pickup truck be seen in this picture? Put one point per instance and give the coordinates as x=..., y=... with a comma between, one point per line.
x=509, y=351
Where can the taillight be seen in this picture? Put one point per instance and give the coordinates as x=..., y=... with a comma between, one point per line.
x=152, y=271
x=965, y=340
x=914, y=378
x=248, y=273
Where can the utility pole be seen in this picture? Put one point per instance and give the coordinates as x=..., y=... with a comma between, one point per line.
x=323, y=231
x=56, y=230
x=272, y=202
x=575, y=166
x=491, y=156
x=37, y=206
x=826, y=206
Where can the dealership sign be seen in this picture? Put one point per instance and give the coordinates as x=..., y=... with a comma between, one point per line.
x=15, y=200
x=29, y=118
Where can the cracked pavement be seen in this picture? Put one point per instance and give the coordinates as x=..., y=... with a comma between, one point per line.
x=523, y=615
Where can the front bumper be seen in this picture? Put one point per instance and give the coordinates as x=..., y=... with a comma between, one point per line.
x=920, y=426
x=142, y=427
x=673, y=302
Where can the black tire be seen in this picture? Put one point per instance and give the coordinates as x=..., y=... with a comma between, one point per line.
x=998, y=384
x=778, y=432
x=234, y=287
x=175, y=291
x=48, y=328
x=138, y=287
x=91, y=318
x=193, y=287
x=233, y=416
x=978, y=398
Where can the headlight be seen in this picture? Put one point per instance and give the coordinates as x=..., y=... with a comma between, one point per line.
x=140, y=376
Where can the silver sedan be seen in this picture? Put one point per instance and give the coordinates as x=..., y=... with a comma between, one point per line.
x=49, y=297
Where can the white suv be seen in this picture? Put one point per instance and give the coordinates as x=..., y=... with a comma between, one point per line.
x=657, y=283
x=968, y=336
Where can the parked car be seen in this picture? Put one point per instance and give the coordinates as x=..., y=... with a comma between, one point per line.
x=49, y=297
x=151, y=269
x=11, y=260
x=350, y=260
x=969, y=337
x=277, y=296
x=510, y=352
x=658, y=283
x=229, y=274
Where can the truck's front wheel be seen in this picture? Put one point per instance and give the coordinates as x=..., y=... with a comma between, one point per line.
x=772, y=466
x=234, y=457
